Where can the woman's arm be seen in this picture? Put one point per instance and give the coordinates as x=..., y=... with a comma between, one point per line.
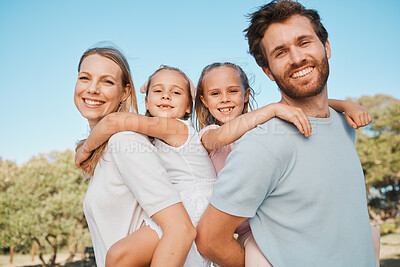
x=233, y=130
x=356, y=115
x=171, y=131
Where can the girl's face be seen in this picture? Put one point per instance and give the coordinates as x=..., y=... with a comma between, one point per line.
x=223, y=94
x=168, y=95
x=99, y=88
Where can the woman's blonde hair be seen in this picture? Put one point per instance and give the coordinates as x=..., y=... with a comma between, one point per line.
x=130, y=104
x=203, y=115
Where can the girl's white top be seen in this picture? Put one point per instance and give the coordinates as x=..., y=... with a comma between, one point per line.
x=192, y=174
x=128, y=182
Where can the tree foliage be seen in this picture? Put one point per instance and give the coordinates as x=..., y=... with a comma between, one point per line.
x=42, y=203
x=379, y=149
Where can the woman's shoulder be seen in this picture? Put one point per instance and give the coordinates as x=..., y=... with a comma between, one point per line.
x=128, y=136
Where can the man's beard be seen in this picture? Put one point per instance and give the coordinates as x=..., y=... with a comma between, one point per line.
x=310, y=89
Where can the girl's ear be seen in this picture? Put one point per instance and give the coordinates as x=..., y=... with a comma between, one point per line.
x=203, y=101
x=247, y=95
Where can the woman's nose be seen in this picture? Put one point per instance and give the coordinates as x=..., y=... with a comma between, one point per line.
x=93, y=88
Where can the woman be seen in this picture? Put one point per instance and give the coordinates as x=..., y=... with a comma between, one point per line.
x=128, y=181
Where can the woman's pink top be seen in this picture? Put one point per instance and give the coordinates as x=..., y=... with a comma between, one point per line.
x=218, y=158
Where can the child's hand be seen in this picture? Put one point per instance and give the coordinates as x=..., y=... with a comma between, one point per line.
x=356, y=115
x=293, y=115
x=81, y=155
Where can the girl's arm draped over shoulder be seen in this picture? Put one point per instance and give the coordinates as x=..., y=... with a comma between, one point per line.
x=171, y=131
x=233, y=130
x=356, y=115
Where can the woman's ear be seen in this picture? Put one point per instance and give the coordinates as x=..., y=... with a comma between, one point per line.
x=146, y=104
x=126, y=93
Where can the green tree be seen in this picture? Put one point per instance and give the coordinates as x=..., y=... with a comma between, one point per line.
x=379, y=149
x=46, y=204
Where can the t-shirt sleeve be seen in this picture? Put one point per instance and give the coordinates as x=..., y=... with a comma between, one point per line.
x=140, y=167
x=205, y=129
x=251, y=173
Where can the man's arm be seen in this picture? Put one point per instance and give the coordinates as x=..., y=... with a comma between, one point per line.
x=215, y=237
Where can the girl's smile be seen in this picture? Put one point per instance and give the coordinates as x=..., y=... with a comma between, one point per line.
x=223, y=94
x=168, y=95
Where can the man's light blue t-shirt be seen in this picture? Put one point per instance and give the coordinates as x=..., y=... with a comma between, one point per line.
x=305, y=197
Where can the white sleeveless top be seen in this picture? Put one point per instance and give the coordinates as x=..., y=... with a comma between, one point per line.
x=192, y=174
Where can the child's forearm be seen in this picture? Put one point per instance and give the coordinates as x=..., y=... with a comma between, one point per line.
x=236, y=128
x=108, y=126
x=171, y=131
x=338, y=105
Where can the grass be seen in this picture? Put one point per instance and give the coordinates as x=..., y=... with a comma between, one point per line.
x=390, y=255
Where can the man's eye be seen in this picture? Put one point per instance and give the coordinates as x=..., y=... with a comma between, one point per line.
x=280, y=53
x=304, y=43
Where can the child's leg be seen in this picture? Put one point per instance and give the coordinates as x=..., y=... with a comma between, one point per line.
x=253, y=255
x=134, y=250
x=377, y=243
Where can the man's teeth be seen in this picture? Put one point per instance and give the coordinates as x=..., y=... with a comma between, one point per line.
x=94, y=103
x=302, y=72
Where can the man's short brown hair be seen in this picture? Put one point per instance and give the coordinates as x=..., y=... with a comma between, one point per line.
x=275, y=12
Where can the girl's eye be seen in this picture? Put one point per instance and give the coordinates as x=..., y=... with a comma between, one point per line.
x=233, y=91
x=214, y=93
x=177, y=93
x=109, y=82
x=156, y=90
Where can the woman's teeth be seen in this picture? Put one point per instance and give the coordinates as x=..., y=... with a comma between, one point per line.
x=302, y=72
x=92, y=102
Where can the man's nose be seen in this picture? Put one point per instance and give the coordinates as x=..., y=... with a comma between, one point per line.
x=296, y=56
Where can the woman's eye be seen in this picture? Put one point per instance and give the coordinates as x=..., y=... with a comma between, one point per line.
x=83, y=78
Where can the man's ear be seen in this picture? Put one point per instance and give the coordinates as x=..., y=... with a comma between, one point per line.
x=267, y=71
x=204, y=101
x=328, y=49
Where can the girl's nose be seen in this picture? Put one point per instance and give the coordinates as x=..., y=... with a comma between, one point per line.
x=225, y=97
x=165, y=95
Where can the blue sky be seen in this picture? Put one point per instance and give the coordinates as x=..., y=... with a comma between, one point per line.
x=42, y=41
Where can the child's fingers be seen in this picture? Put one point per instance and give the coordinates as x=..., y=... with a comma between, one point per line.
x=351, y=122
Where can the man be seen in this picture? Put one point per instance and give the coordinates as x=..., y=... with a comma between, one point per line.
x=305, y=197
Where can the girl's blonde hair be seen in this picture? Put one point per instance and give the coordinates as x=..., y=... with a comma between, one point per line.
x=185, y=77
x=203, y=115
x=129, y=104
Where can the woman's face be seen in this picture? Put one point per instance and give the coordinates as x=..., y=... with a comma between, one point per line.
x=99, y=88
